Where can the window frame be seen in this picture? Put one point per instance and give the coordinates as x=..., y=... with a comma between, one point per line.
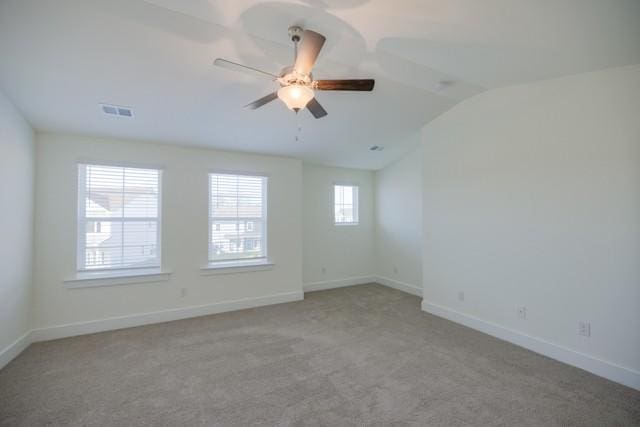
x=81, y=221
x=356, y=202
x=239, y=262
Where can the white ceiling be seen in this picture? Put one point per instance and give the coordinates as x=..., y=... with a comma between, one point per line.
x=60, y=58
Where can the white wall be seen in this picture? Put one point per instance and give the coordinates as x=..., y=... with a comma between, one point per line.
x=398, y=201
x=532, y=198
x=346, y=252
x=16, y=224
x=184, y=230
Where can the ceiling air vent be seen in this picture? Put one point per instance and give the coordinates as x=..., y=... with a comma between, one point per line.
x=116, y=110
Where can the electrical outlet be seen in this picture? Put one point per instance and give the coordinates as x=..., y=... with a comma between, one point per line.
x=395, y=270
x=183, y=292
x=584, y=329
x=323, y=270
x=522, y=312
x=460, y=296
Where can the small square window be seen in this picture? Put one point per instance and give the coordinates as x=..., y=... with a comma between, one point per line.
x=345, y=201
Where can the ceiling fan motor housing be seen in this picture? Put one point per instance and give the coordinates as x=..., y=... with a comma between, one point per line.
x=289, y=76
x=295, y=32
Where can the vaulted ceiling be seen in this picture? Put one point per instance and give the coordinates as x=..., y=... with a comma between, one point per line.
x=60, y=58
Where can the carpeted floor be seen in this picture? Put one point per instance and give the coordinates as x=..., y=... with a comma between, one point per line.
x=351, y=356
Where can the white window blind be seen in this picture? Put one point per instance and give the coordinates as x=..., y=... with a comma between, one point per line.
x=118, y=217
x=237, y=217
x=345, y=198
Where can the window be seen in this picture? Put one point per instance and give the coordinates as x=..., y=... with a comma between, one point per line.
x=118, y=218
x=345, y=200
x=237, y=217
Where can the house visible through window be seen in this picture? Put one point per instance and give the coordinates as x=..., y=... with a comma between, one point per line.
x=119, y=218
x=237, y=217
x=94, y=227
x=345, y=198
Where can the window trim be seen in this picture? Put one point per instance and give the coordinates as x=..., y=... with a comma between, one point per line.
x=82, y=273
x=121, y=277
x=240, y=262
x=231, y=267
x=356, y=204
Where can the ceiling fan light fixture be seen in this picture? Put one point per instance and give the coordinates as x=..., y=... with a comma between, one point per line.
x=296, y=97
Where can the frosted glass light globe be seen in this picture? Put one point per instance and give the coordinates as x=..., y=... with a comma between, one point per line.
x=295, y=96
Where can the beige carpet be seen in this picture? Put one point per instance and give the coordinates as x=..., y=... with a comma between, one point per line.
x=351, y=356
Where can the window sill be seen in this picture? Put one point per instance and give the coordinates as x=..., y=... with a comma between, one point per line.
x=232, y=267
x=342, y=224
x=91, y=279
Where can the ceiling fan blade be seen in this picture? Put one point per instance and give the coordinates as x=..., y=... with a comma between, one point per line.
x=316, y=109
x=308, y=51
x=260, y=102
x=355, y=84
x=233, y=66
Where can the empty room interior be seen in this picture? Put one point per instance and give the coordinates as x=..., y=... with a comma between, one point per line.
x=319, y=212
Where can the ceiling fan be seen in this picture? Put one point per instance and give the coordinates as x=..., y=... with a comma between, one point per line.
x=296, y=81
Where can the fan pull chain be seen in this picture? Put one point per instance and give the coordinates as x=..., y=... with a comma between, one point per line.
x=298, y=129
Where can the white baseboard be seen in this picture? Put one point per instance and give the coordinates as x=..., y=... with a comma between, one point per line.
x=611, y=371
x=361, y=280
x=90, y=327
x=340, y=283
x=15, y=348
x=401, y=286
